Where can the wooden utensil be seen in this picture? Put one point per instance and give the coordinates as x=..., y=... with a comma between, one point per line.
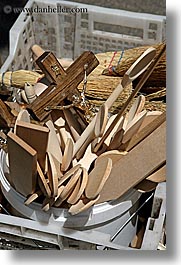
x=150, y=116
x=134, y=166
x=119, y=127
x=53, y=143
x=146, y=131
x=101, y=121
x=52, y=175
x=158, y=176
x=48, y=202
x=32, y=197
x=79, y=191
x=88, y=158
x=68, y=187
x=36, y=136
x=98, y=177
x=149, y=62
x=116, y=139
x=82, y=205
x=136, y=108
x=114, y=155
x=22, y=164
x=133, y=126
x=67, y=156
x=43, y=182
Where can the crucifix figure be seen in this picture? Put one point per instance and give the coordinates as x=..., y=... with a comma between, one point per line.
x=63, y=83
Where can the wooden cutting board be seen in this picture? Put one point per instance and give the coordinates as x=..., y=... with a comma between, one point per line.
x=36, y=136
x=138, y=164
x=22, y=165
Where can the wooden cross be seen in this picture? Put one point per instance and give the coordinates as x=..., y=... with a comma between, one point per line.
x=62, y=83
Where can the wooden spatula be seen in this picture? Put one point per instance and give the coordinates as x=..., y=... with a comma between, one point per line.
x=98, y=177
x=53, y=143
x=79, y=191
x=82, y=205
x=150, y=116
x=158, y=176
x=133, y=126
x=68, y=187
x=67, y=156
x=52, y=175
x=43, y=183
x=136, y=108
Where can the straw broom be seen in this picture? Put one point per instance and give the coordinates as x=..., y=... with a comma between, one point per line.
x=19, y=78
x=157, y=78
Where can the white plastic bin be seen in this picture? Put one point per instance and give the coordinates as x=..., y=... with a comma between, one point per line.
x=69, y=34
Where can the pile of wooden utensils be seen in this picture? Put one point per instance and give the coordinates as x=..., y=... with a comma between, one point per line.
x=58, y=159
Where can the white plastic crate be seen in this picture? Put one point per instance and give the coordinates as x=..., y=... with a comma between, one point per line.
x=69, y=34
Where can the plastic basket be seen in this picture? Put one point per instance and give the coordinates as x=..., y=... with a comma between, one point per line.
x=69, y=34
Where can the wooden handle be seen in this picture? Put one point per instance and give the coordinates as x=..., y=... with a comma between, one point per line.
x=139, y=66
x=37, y=50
